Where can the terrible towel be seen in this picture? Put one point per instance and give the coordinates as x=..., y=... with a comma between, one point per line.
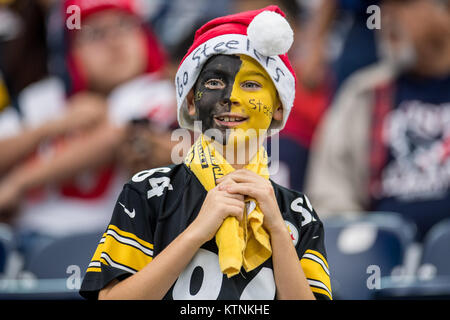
x=245, y=244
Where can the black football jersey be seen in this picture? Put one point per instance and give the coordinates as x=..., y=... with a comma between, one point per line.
x=158, y=204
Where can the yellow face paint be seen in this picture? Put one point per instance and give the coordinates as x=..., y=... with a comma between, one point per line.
x=254, y=95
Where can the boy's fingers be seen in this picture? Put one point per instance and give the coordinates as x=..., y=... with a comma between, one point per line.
x=221, y=189
x=225, y=180
x=248, y=189
x=236, y=196
x=244, y=175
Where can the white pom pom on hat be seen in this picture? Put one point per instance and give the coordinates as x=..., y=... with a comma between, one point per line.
x=270, y=33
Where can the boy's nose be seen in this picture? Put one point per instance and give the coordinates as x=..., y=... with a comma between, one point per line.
x=231, y=102
x=226, y=102
x=235, y=100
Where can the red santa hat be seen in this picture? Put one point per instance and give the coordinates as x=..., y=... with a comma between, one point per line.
x=263, y=34
x=88, y=7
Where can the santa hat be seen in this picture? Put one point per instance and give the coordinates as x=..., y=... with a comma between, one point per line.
x=156, y=55
x=263, y=34
x=88, y=7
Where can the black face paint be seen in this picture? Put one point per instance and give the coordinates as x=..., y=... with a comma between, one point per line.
x=198, y=95
x=212, y=102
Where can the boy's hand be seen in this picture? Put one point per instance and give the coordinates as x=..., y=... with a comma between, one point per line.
x=251, y=184
x=218, y=205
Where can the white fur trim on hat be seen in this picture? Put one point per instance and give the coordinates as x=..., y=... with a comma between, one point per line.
x=270, y=33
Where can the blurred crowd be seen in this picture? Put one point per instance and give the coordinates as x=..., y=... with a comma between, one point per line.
x=83, y=109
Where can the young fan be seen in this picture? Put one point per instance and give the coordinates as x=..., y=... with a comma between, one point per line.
x=215, y=227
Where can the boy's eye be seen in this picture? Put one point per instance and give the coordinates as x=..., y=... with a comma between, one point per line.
x=214, y=84
x=252, y=85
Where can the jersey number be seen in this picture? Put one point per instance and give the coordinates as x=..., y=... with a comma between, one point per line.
x=261, y=287
x=158, y=184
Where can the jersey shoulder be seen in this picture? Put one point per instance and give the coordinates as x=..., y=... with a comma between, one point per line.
x=293, y=202
x=161, y=186
x=145, y=181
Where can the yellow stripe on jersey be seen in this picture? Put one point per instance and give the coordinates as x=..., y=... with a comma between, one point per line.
x=321, y=291
x=316, y=271
x=96, y=256
x=124, y=254
x=121, y=249
x=319, y=255
x=130, y=235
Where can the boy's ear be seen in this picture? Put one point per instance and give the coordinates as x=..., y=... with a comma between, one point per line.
x=278, y=113
x=190, y=103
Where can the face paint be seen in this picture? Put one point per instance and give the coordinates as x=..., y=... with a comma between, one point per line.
x=213, y=88
x=254, y=95
x=198, y=95
x=235, y=95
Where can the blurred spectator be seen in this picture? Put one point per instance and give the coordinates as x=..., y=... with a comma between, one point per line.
x=23, y=53
x=18, y=143
x=72, y=180
x=384, y=145
x=348, y=19
x=309, y=105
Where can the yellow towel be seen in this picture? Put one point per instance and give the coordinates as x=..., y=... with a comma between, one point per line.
x=244, y=244
x=4, y=97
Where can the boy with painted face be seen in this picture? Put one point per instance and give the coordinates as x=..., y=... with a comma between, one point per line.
x=211, y=213
x=234, y=101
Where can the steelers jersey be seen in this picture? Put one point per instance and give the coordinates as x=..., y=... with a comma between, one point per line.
x=156, y=205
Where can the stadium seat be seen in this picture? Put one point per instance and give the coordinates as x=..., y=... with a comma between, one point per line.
x=363, y=249
x=54, y=260
x=56, y=272
x=6, y=245
x=432, y=281
x=414, y=288
x=436, y=246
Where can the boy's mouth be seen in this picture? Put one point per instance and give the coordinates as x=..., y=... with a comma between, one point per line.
x=228, y=119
